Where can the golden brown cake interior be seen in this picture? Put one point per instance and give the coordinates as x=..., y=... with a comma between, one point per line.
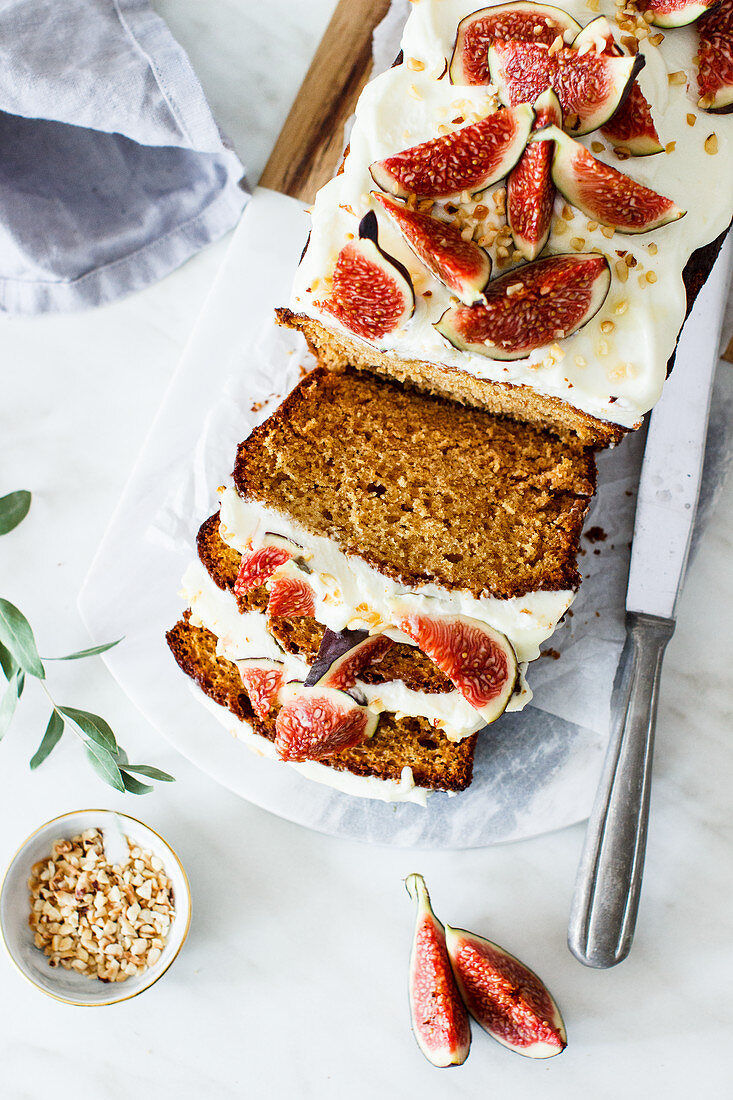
x=421, y=488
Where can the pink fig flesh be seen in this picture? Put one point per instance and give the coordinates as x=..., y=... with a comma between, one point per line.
x=505, y=997
x=439, y=1017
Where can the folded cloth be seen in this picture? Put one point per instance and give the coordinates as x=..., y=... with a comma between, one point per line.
x=112, y=171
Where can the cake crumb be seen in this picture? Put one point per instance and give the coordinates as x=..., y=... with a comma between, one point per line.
x=595, y=534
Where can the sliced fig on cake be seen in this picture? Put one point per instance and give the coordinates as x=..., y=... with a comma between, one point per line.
x=530, y=190
x=520, y=22
x=466, y=160
x=590, y=87
x=459, y=264
x=440, y=1021
x=479, y=660
x=605, y=194
x=291, y=596
x=715, y=59
x=596, y=37
x=632, y=127
x=343, y=655
x=372, y=293
x=316, y=722
x=257, y=566
x=505, y=997
x=675, y=13
x=531, y=307
x=263, y=679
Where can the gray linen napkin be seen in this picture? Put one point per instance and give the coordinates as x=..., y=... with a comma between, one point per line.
x=112, y=169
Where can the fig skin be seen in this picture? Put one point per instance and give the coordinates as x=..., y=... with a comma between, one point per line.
x=440, y=1021
x=507, y=999
x=670, y=16
x=343, y=655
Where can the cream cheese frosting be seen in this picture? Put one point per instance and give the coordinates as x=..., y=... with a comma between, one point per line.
x=244, y=635
x=614, y=373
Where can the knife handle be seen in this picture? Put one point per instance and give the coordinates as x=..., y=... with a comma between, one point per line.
x=606, y=898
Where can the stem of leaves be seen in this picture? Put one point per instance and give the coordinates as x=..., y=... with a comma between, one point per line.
x=19, y=657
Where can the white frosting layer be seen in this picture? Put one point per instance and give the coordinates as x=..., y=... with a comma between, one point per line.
x=615, y=376
x=350, y=593
x=361, y=786
x=243, y=635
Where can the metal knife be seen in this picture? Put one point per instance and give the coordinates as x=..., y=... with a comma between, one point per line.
x=606, y=898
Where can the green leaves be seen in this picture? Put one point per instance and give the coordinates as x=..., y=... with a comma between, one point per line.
x=104, y=765
x=51, y=738
x=13, y=509
x=93, y=727
x=9, y=701
x=150, y=773
x=19, y=655
x=93, y=651
x=17, y=637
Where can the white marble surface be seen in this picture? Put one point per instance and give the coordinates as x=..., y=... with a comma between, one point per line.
x=293, y=980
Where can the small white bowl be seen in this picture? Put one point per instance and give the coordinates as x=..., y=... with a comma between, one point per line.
x=68, y=985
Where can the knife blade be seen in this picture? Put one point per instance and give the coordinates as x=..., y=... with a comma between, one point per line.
x=669, y=485
x=608, y=885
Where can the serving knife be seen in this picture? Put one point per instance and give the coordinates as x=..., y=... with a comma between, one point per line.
x=606, y=899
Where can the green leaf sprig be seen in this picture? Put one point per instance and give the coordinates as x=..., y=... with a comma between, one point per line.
x=19, y=658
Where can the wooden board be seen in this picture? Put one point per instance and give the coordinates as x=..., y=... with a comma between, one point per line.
x=311, y=142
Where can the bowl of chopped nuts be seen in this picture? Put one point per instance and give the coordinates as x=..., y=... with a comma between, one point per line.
x=94, y=907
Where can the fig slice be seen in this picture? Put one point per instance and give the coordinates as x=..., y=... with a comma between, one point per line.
x=257, y=566
x=530, y=190
x=520, y=22
x=460, y=265
x=715, y=59
x=632, y=125
x=505, y=997
x=317, y=722
x=291, y=596
x=605, y=194
x=439, y=1018
x=263, y=679
x=466, y=160
x=675, y=13
x=479, y=660
x=531, y=306
x=590, y=86
x=343, y=655
x=372, y=292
